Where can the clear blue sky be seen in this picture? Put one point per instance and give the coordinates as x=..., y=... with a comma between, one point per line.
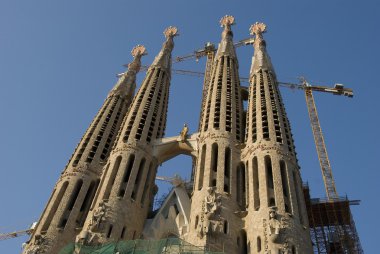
x=58, y=60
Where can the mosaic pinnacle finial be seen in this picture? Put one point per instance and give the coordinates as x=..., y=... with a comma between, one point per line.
x=227, y=21
x=258, y=29
x=139, y=50
x=171, y=31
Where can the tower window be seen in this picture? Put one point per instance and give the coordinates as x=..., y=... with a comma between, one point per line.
x=202, y=168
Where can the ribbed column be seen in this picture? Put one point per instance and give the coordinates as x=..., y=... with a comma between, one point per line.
x=124, y=196
x=276, y=221
x=68, y=206
x=215, y=197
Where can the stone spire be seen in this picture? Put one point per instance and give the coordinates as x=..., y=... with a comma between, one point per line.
x=276, y=209
x=226, y=45
x=69, y=204
x=217, y=193
x=126, y=190
x=164, y=57
x=261, y=59
x=127, y=80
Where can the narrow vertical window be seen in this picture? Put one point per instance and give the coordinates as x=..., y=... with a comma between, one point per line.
x=122, y=233
x=127, y=174
x=240, y=184
x=256, y=185
x=55, y=206
x=225, y=227
x=258, y=244
x=227, y=169
x=285, y=186
x=196, y=222
x=269, y=178
x=70, y=204
x=202, y=168
x=214, y=164
x=111, y=180
x=147, y=183
x=109, y=231
x=296, y=187
x=86, y=202
x=136, y=187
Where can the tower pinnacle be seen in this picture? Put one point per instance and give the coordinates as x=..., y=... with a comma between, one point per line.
x=126, y=84
x=164, y=59
x=261, y=59
x=226, y=46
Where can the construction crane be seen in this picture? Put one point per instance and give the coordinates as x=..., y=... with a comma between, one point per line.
x=320, y=145
x=6, y=236
x=209, y=47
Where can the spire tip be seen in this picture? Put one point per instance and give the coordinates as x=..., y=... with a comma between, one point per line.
x=258, y=28
x=139, y=50
x=227, y=20
x=171, y=31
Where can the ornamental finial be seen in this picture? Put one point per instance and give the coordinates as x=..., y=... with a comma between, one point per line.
x=139, y=50
x=258, y=29
x=171, y=31
x=227, y=21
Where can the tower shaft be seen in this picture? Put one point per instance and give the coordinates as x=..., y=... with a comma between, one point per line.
x=125, y=192
x=276, y=220
x=70, y=201
x=215, y=196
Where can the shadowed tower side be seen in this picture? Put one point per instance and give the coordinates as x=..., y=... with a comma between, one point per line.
x=70, y=201
x=216, y=196
x=276, y=219
x=125, y=192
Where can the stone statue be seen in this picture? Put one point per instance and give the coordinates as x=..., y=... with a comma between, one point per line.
x=183, y=133
x=98, y=216
x=212, y=201
x=274, y=226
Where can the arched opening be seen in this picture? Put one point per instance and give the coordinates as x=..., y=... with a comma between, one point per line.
x=258, y=244
x=214, y=164
x=256, y=184
x=202, y=167
x=269, y=179
x=241, y=186
x=227, y=169
x=180, y=166
x=243, y=242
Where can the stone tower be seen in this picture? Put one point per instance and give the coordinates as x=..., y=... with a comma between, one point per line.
x=124, y=196
x=68, y=206
x=216, y=198
x=276, y=220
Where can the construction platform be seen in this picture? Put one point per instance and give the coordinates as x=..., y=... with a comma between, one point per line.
x=332, y=228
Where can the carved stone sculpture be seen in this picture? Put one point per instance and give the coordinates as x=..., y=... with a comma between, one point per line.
x=183, y=133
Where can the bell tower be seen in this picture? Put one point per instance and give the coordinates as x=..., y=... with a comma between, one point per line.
x=124, y=196
x=216, y=196
x=68, y=206
x=276, y=221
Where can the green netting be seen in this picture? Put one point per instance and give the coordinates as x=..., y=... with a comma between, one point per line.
x=163, y=246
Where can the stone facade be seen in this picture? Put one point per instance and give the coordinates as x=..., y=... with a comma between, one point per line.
x=247, y=194
x=68, y=206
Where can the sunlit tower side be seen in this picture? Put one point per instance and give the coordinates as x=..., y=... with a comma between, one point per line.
x=70, y=201
x=125, y=192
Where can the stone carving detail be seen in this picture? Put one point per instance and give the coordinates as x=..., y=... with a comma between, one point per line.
x=211, y=222
x=257, y=28
x=274, y=231
x=227, y=21
x=139, y=50
x=262, y=147
x=98, y=216
x=183, y=133
x=171, y=31
x=39, y=246
x=213, y=136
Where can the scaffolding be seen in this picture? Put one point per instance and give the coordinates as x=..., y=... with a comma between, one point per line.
x=332, y=227
x=162, y=246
